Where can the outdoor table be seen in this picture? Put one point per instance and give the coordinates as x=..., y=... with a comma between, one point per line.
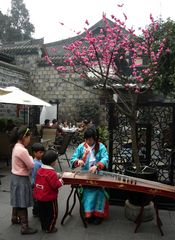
x=69, y=130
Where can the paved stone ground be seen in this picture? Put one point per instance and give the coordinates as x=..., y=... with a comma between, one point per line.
x=113, y=228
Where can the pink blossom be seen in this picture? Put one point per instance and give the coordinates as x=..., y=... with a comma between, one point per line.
x=120, y=5
x=137, y=89
x=151, y=18
x=48, y=60
x=87, y=23
x=61, y=68
x=125, y=16
x=139, y=79
x=134, y=73
x=98, y=53
x=53, y=50
x=167, y=50
x=131, y=31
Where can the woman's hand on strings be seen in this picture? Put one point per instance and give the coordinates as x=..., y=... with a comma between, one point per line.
x=93, y=169
x=80, y=163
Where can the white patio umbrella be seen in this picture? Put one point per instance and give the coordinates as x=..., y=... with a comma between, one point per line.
x=17, y=96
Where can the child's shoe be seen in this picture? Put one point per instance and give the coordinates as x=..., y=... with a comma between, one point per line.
x=52, y=231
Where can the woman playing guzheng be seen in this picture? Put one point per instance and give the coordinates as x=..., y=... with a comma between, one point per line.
x=92, y=156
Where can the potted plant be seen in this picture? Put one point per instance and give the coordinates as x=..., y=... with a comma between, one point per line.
x=112, y=58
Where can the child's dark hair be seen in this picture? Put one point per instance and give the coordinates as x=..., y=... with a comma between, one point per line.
x=92, y=132
x=37, y=147
x=18, y=133
x=49, y=157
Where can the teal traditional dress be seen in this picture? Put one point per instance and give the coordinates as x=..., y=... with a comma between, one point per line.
x=94, y=199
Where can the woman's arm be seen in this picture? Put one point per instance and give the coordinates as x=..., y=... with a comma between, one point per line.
x=76, y=159
x=102, y=158
x=26, y=158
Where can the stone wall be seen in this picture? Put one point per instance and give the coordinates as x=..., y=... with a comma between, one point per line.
x=12, y=75
x=45, y=82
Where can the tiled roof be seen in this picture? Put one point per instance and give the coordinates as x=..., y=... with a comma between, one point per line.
x=22, y=47
x=56, y=48
x=6, y=58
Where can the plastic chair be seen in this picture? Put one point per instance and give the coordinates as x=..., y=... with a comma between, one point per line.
x=48, y=136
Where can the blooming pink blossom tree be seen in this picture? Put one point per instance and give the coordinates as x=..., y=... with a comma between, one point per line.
x=116, y=59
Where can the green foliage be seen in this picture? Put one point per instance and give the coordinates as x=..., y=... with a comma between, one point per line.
x=4, y=120
x=4, y=20
x=103, y=134
x=90, y=111
x=7, y=32
x=2, y=125
x=20, y=19
x=16, y=26
x=165, y=83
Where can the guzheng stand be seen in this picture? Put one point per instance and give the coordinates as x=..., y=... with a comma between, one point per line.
x=138, y=220
x=113, y=180
x=75, y=193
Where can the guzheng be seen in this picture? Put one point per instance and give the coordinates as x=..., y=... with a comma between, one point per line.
x=113, y=180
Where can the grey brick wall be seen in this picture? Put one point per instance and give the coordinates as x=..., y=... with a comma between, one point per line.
x=11, y=75
x=47, y=84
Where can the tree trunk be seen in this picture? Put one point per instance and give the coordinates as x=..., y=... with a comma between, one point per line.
x=135, y=154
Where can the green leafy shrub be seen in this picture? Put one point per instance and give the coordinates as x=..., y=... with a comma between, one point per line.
x=103, y=134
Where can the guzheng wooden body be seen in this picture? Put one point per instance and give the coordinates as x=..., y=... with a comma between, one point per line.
x=113, y=180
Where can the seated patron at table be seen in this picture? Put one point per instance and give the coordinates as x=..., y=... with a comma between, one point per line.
x=84, y=125
x=82, y=128
x=45, y=125
x=64, y=124
x=59, y=135
x=55, y=123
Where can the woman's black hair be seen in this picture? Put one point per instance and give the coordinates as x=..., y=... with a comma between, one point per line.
x=46, y=121
x=37, y=147
x=49, y=157
x=92, y=132
x=18, y=133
